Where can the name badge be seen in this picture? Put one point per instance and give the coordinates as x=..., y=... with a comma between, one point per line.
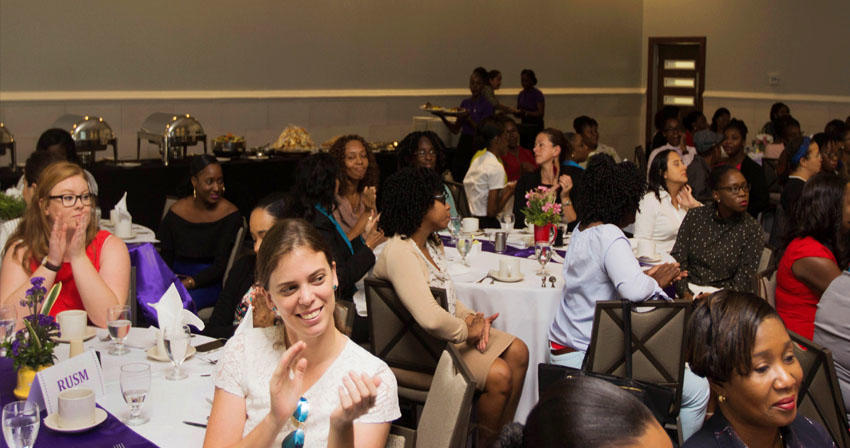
x=82, y=370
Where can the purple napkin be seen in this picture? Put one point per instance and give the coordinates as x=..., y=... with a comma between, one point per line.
x=488, y=246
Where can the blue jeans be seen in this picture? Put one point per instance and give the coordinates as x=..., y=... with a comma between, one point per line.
x=695, y=393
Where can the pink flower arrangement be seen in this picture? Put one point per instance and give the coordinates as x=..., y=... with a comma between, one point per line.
x=541, y=206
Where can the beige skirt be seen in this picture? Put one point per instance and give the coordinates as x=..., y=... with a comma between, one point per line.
x=479, y=363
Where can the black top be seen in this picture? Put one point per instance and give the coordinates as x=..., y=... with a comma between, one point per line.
x=791, y=195
x=207, y=242
x=719, y=252
x=350, y=267
x=759, y=196
x=717, y=432
x=238, y=282
x=698, y=174
x=530, y=181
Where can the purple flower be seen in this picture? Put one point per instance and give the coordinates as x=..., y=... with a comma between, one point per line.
x=16, y=344
x=37, y=281
x=23, y=303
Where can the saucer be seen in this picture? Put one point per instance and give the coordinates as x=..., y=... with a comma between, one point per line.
x=52, y=422
x=154, y=354
x=90, y=333
x=495, y=274
x=648, y=259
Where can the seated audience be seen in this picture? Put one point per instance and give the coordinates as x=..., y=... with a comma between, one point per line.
x=425, y=149
x=587, y=412
x=659, y=119
x=198, y=231
x=804, y=161
x=358, y=180
x=58, y=241
x=693, y=122
x=830, y=145
x=413, y=210
x=673, y=133
x=313, y=199
x=663, y=207
x=516, y=159
x=707, y=145
x=486, y=184
x=787, y=128
x=549, y=149
x=734, y=140
x=719, y=244
x=599, y=265
x=817, y=251
x=739, y=343
x=832, y=329
x=351, y=396
x=59, y=143
x=475, y=109
x=240, y=290
x=720, y=120
x=588, y=129
x=530, y=108
x=777, y=111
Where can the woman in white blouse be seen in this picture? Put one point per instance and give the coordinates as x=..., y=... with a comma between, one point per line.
x=665, y=204
x=351, y=395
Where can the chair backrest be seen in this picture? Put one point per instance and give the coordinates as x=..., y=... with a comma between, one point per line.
x=234, y=251
x=132, y=300
x=658, y=334
x=396, y=336
x=169, y=201
x=461, y=201
x=766, y=283
x=445, y=418
x=640, y=158
x=820, y=396
x=344, y=316
x=764, y=261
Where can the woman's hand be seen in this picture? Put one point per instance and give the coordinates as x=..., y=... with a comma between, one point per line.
x=371, y=222
x=372, y=235
x=284, y=391
x=369, y=195
x=77, y=245
x=664, y=273
x=686, y=198
x=356, y=396
x=485, y=335
x=565, y=182
x=475, y=324
x=57, y=245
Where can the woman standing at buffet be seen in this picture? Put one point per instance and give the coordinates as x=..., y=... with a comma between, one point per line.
x=530, y=105
x=358, y=179
x=58, y=241
x=198, y=231
x=303, y=378
x=473, y=111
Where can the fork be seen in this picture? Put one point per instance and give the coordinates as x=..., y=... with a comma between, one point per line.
x=118, y=445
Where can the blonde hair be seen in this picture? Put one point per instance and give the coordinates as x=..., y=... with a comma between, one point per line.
x=33, y=232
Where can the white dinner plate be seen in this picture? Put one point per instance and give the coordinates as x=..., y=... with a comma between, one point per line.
x=495, y=274
x=154, y=354
x=90, y=333
x=52, y=422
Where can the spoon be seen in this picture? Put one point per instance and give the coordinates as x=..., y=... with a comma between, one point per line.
x=552, y=280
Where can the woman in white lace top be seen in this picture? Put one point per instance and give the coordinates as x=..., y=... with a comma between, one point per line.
x=351, y=395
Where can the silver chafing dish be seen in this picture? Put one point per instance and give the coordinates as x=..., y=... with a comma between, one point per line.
x=90, y=134
x=7, y=143
x=172, y=133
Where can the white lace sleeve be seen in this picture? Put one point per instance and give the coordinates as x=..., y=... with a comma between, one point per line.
x=386, y=404
x=229, y=375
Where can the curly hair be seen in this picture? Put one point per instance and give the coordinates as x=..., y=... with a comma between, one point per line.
x=408, y=146
x=819, y=215
x=407, y=196
x=739, y=126
x=717, y=114
x=315, y=182
x=609, y=192
x=657, y=170
x=338, y=152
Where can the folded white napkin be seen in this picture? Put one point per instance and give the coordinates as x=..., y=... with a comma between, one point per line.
x=170, y=312
x=121, y=210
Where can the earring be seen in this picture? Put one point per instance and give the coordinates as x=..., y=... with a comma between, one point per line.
x=194, y=193
x=721, y=398
x=335, y=287
x=223, y=188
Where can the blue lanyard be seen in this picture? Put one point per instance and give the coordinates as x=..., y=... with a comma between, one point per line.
x=572, y=163
x=338, y=228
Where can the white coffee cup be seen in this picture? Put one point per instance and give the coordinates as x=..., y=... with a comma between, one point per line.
x=72, y=324
x=469, y=225
x=76, y=407
x=113, y=216
x=509, y=267
x=646, y=248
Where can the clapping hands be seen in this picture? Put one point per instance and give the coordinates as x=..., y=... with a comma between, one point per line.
x=357, y=395
x=60, y=245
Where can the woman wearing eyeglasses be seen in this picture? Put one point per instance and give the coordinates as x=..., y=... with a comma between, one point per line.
x=58, y=240
x=425, y=149
x=719, y=244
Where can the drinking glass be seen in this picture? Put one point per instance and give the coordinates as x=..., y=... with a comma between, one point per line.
x=135, y=384
x=118, y=322
x=176, y=341
x=464, y=244
x=506, y=221
x=454, y=228
x=543, y=252
x=8, y=318
x=20, y=424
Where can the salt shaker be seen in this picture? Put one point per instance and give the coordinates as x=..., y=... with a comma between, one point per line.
x=500, y=241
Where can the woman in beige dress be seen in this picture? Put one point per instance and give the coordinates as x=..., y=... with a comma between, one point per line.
x=413, y=209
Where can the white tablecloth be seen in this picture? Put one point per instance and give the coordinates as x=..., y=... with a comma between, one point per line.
x=168, y=403
x=525, y=310
x=141, y=234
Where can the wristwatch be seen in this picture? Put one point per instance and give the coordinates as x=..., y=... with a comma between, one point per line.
x=51, y=267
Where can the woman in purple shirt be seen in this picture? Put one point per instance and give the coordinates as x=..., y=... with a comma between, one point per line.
x=474, y=109
x=530, y=105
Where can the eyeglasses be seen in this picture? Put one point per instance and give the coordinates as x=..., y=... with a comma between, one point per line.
x=440, y=197
x=295, y=439
x=70, y=200
x=735, y=189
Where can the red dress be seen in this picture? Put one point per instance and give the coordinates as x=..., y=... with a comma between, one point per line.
x=69, y=297
x=795, y=302
x=513, y=163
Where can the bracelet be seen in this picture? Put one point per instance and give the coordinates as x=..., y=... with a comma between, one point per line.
x=51, y=267
x=567, y=203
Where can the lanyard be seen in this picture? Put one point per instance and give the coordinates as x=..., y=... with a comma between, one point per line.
x=572, y=163
x=338, y=228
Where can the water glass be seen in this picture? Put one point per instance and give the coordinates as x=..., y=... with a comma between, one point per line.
x=118, y=322
x=8, y=318
x=543, y=252
x=135, y=385
x=20, y=424
x=506, y=221
x=464, y=245
x=454, y=228
x=176, y=341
